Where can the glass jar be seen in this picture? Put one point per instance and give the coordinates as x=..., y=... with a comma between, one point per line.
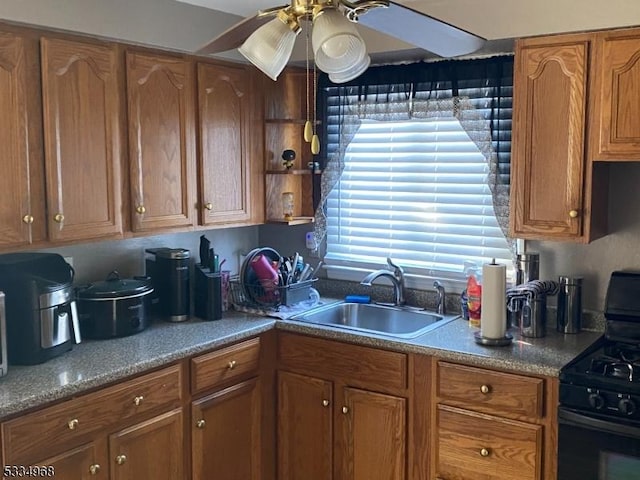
x=287, y=205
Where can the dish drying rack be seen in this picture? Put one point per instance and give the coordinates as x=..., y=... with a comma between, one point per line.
x=255, y=296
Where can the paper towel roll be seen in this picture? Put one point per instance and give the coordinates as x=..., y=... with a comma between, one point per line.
x=493, y=319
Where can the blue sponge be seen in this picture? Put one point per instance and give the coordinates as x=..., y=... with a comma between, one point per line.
x=357, y=299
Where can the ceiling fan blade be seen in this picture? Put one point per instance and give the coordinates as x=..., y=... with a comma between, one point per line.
x=421, y=30
x=236, y=35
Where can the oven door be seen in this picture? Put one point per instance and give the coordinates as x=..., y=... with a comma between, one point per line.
x=591, y=447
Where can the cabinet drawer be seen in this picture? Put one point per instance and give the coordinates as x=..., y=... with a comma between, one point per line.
x=76, y=420
x=471, y=446
x=487, y=391
x=360, y=366
x=222, y=366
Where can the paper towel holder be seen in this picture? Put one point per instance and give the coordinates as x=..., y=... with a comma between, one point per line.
x=493, y=342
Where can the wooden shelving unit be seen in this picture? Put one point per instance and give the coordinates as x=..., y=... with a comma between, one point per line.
x=285, y=117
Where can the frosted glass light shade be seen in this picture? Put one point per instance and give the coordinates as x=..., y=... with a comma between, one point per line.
x=337, y=45
x=269, y=47
x=351, y=73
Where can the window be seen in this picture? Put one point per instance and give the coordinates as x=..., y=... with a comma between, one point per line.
x=416, y=189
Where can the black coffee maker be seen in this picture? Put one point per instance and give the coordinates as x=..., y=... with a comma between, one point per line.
x=168, y=269
x=42, y=320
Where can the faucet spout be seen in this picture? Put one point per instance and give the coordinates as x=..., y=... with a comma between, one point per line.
x=397, y=279
x=440, y=301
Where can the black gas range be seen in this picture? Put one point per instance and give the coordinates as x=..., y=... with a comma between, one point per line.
x=599, y=412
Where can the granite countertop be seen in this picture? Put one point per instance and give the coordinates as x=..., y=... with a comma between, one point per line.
x=94, y=363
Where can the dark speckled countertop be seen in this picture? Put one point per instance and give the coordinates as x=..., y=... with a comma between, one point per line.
x=95, y=363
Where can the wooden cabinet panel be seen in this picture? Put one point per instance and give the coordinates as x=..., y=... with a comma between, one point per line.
x=87, y=462
x=82, y=131
x=72, y=422
x=616, y=96
x=161, y=141
x=153, y=449
x=490, y=392
x=226, y=434
x=363, y=366
x=225, y=103
x=225, y=365
x=373, y=436
x=22, y=212
x=305, y=435
x=472, y=446
x=549, y=131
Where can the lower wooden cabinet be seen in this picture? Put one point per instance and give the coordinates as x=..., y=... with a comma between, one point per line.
x=226, y=433
x=332, y=423
x=151, y=449
x=86, y=462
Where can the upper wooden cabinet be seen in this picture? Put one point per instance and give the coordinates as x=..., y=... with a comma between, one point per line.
x=22, y=211
x=225, y=105
x=554, y=188
x=616, y=96
x=161, y=141
x=82, y=132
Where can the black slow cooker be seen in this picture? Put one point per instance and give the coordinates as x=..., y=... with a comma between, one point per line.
x=115, y=307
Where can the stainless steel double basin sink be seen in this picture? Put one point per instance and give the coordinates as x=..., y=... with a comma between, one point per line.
x=394, y=321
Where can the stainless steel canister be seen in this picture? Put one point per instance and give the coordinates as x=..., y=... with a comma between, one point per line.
x=569, y=319
x=527, y=269
x=534, y=317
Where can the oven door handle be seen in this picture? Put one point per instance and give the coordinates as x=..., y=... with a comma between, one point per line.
x=568, y=417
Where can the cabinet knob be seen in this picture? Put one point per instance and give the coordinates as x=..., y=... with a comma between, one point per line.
x=485, y=452
x=325, y=403
x=138, y=400
x=208, y=206
x=345, y=409
x=573, y=213
x=232, y=364
x=201, y=423
x=485, y=389
x=94, y=469
x=140, y=209
x=58, y=218
x=121, y=459
x=28, y=219
x=73, y=424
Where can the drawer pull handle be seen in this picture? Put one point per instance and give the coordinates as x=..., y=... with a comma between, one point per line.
x=73, y=424
x=573, y=213
x=58, y=218
x=121, y=459
x=485, y=452
x=28, y=219
x=345, y=410
x=201, y=423
x=208, y=206
x=94, y=469
x=138, y=400
x=232, y=364
x=325, y=403
x=140, y=210
x=485, y=389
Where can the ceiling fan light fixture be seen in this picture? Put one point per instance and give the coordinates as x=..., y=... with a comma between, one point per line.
x=270, y=46
x=353, y=72
x=337, y=45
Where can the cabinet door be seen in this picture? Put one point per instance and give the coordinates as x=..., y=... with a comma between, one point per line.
x=225, y=439
x=22, y=214
x=82, y=131
x=305, y=437
x=372, y=436
x=153, y=449
x=161, y=141
x=224, y=102
x=548, y=158
x=87, y=462
x=616, y=96
x=472, y=446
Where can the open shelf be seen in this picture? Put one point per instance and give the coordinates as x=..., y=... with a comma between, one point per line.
x=293, y=171
x=294, y=221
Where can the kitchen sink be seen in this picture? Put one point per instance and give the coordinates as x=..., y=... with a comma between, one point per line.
x=403, y=322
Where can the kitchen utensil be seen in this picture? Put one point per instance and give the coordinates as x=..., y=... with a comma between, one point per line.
x=205, y=246
x=115, y=307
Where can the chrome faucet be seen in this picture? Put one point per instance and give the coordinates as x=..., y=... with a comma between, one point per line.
x=440, y=302
x=396, y=276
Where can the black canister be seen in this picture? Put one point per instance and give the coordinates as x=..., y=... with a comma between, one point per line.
x=569, y=317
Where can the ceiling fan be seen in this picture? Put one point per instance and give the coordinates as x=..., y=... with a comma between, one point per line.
x=267, y=38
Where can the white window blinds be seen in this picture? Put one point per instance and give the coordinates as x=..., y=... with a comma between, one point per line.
x=414, y=191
